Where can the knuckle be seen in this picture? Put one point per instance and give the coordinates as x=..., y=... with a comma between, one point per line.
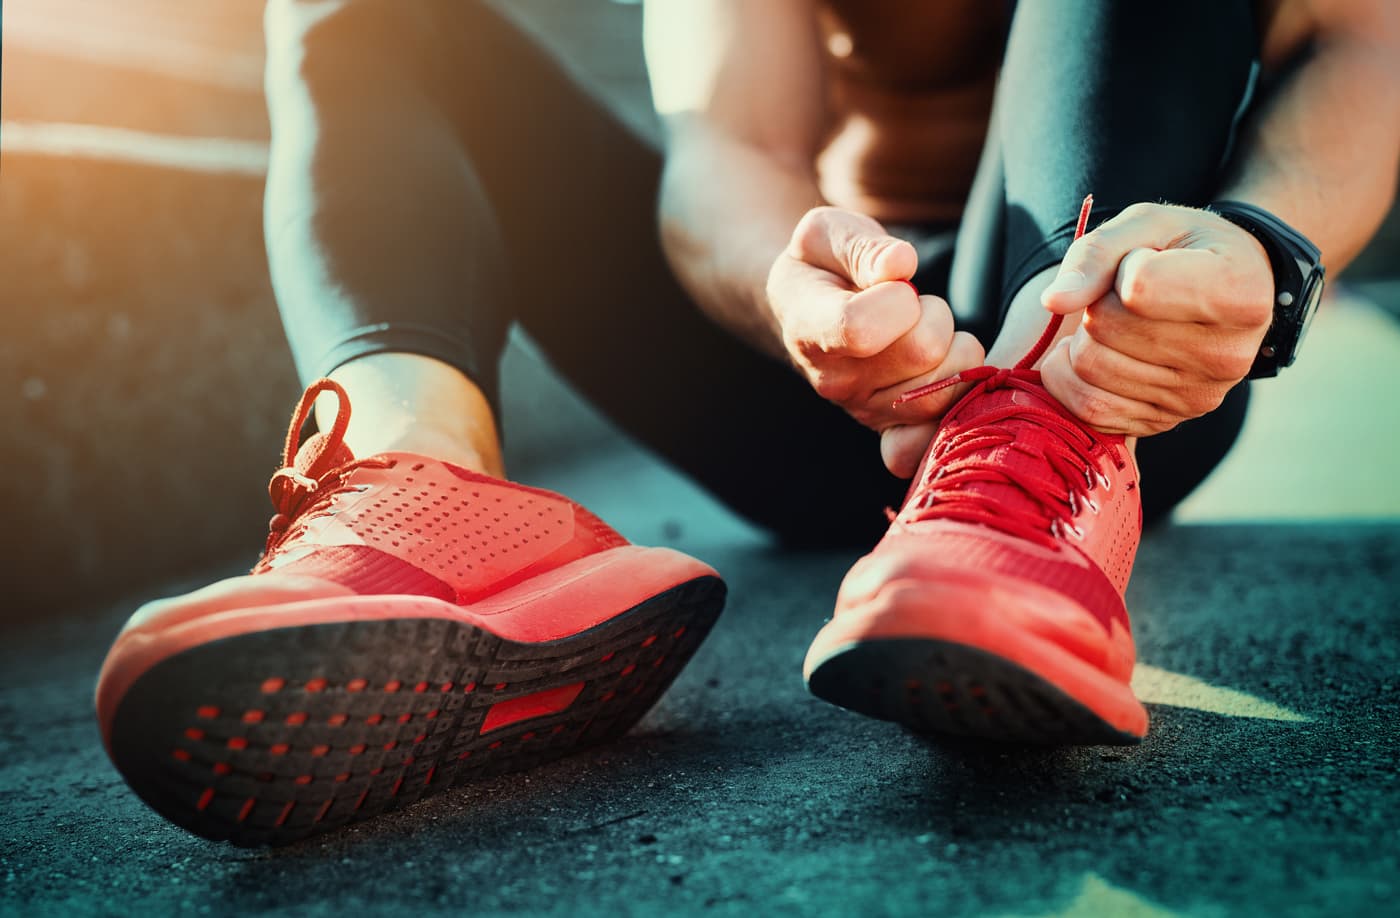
x=1090, y=249
x=1162, y=424
x=852, y=334
x=1136, y=292
x=1087, y=363
x=1238, y=366
x=1246, y=307
x=812, y=230
x=931, y=350
x=1094, y=408
x=1223, y=360
x=1257, y=311
x=1139, y=210
x=1231, y=364
x=834, y=387
x=1215, y=363
x=1205, y=400
x=972, y=350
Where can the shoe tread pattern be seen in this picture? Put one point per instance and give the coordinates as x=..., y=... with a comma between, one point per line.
x=934, y=686
x=371, y=715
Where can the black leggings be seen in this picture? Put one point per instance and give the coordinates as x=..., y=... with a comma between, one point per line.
x=460, y=180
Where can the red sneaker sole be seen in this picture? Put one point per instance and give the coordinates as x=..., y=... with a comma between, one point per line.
x=935, y=686
x=954, y=656
x=267, y=737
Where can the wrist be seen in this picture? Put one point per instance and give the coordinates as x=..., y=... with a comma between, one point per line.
x=1296, y=265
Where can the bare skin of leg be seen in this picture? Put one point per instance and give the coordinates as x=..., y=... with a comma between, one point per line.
x=1025, y=322
x=415, y=404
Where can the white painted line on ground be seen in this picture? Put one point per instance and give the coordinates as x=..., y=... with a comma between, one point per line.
x=194, y=154
x=1160, y=686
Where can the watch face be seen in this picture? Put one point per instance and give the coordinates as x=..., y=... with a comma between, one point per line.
x=1312, y=296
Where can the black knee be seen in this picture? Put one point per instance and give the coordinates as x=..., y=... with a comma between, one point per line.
x=1175, y=462
x=1132, y=102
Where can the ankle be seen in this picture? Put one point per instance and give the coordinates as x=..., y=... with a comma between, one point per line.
x=425, y=440
x=1025, y=321
x=410, y=403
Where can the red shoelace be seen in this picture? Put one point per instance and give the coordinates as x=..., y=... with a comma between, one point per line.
x=961, y=456
x=311, y=477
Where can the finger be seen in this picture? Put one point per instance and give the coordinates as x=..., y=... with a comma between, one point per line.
x=964, y=353
x=1113, y=371
x=852, y=246
x=1192, y=285
x=868, y=322
x=1102, y=410
x=1090, y=267
x=919, y=350
x=1192, y=348
x=903, y=446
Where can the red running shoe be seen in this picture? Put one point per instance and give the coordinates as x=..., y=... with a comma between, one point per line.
x=412, y=625
x=993, y=606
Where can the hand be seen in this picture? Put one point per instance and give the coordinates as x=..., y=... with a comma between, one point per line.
x=861, y=335
x=1176, y=302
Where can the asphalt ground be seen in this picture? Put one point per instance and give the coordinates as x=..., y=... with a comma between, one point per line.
x=1267, y=785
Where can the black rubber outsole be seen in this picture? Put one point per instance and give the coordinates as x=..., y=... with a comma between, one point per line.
x=270, y=737
x=934, y=686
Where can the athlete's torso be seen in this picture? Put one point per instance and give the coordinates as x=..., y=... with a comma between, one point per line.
x=910, y=88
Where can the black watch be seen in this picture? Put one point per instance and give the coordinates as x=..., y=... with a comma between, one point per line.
x=1298, y=276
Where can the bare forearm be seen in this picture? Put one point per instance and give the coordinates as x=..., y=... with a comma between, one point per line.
x=1323, y=151
x=727, y=210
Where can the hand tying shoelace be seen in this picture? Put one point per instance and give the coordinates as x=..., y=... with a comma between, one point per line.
x=997, y=376
x=993, y=606
x=962, y=481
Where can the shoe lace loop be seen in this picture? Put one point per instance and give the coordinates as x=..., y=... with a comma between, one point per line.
x=961, y=457
x=307, y=483
x=962, y=460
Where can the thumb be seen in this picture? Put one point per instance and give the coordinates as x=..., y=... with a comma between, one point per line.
x=1086, y=274
x=852, y=246
x=874, y=258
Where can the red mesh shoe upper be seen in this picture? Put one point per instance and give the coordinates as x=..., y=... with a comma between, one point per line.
x=403, y=523
x=1016, y=539
x=1010, y=458
x=1017, y=495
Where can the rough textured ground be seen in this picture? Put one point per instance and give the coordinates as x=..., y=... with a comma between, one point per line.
x=741, y=792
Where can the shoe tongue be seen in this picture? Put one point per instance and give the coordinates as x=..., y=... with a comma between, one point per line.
x=985, y=401
x=320, y=454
